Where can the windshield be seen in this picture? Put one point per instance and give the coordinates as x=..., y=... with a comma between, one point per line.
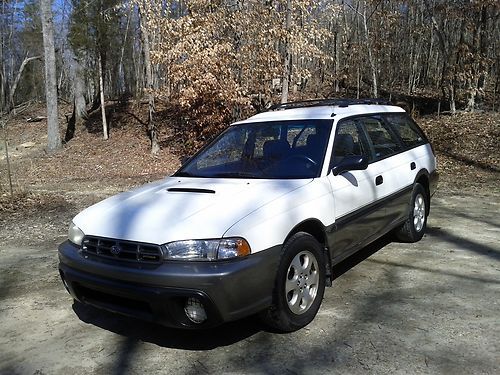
x=278, y=149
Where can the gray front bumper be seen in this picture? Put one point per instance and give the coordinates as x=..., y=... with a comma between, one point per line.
x=230, y=290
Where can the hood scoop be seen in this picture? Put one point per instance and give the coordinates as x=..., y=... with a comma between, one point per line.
x=190, y=190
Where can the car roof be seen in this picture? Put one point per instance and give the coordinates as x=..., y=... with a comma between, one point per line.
x=321, y=112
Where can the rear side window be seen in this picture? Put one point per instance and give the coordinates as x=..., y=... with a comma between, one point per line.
x=382, y=140
x=406, y=129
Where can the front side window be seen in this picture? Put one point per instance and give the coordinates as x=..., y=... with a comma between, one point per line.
x=278, y=149
x=348, y=142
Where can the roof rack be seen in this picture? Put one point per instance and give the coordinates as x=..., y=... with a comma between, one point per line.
x=327, y=102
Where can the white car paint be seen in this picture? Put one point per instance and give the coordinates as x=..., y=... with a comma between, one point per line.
x=270, y=224
x=152, y=214
x=321, y=112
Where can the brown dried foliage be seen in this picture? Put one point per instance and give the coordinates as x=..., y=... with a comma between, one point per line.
x=468, y=147
x=220, y=56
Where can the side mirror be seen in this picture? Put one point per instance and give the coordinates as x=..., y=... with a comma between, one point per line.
x=351, y=163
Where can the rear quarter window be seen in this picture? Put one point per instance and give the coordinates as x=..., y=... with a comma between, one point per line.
x=407, y=130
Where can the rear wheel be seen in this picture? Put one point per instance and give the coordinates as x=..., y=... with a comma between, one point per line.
x=414, y=227
x=299, y=285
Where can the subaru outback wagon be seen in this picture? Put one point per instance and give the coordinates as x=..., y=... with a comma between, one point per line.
x=255, y=221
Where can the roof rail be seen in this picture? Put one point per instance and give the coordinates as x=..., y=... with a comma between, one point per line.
x=327, y=102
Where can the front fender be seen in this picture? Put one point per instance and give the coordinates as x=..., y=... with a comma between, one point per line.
x=271, y=224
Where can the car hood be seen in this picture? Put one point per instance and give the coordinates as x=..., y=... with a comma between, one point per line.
x=180, y=208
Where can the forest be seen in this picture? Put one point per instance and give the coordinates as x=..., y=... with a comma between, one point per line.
x=209, y=62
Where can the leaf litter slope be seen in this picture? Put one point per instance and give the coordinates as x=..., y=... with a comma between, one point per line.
x=467, y=147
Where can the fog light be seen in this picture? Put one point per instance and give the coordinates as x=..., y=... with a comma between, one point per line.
x=195, y=311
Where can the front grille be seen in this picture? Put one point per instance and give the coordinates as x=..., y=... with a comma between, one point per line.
x=122, y=250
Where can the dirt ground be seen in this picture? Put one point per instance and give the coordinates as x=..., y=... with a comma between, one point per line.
x=430, y=307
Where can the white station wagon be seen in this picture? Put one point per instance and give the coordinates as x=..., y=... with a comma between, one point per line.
x=255, y=221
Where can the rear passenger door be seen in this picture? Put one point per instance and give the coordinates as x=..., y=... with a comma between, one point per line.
x=389, y=169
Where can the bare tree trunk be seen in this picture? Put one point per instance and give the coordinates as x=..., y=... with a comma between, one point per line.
x=2, y=89
x=358, y=82
x=136, y=63
x=453, y=107
x=336, y=61
x=9, y=173
x=121, y=70
x=477, y=81
x=79, y=114
x=54, y=138
x=411, y=72
x=103, y=106
x=79, y=93
x=153, y=135
x=11, y=48
x=370, y=53
x=429, y=56
x=286, y=65
x=414, y=69
x=472, y=84
x=18, y=78
x=3, y=77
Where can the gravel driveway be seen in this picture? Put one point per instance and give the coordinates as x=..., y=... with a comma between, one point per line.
x=431, y=307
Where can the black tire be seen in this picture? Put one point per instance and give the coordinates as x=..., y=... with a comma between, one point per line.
x=298, y=252
x=414, y=227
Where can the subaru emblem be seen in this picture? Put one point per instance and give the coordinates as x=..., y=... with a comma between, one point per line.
x=115, y=250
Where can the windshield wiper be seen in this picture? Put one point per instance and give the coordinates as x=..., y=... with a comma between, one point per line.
x=236, y=174
x=183, y=174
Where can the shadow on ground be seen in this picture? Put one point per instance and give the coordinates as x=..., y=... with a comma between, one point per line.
x=224, y=335
x=465, y=243
x=206, y=339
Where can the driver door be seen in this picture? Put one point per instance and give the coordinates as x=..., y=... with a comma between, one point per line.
x=354, y=193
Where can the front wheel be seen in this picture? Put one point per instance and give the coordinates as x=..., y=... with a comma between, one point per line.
x=299, y=285
x=414, y=227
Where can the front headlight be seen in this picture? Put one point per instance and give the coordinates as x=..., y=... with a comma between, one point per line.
x=75, y=234
x=207, y=250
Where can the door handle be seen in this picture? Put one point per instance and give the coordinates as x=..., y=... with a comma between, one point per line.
x=379, y=180
x=413, y=165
